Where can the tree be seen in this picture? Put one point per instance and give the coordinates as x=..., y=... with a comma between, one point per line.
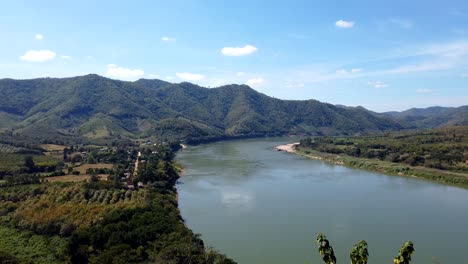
x=29, y=164
x=325, y=250
x=404, y=255
x=359, y=253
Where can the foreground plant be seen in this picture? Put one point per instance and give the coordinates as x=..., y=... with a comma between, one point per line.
x=404, y=255
x=359, y=253
x=325, y=250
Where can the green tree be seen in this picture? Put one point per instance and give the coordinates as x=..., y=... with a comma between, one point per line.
x=404, y=255
x=29, y=164
x=359, y=253
x=325, y=250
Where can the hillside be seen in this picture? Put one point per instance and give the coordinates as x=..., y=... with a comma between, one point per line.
x=96, y=107
x=430, y=117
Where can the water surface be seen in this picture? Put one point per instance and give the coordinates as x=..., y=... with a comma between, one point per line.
x=258, y=205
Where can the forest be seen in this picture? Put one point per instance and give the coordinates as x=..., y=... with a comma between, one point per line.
x=96, y=220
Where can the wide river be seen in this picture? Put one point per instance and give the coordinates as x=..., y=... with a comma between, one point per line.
x=258, y=205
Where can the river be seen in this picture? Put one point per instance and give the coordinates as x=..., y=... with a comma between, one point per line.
x=258, y=205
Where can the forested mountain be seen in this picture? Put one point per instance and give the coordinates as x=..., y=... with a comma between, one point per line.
x=430, y=117
x=98, y=107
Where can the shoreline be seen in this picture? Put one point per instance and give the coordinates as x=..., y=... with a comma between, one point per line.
x=393, y=169
x=289, y=148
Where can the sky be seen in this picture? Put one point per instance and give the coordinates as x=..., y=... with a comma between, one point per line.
x=382, y=55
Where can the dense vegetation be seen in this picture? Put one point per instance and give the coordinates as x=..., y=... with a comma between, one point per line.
x=430, y=117
x=100, y=221
x=97, y=108
x=442, y=151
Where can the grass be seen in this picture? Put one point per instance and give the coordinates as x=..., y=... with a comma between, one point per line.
x=98, y=133
x=68, y=178
x=82, y=168
x=75, y=178
x=53, y=147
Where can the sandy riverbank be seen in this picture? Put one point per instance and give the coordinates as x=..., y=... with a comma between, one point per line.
x=290, y=148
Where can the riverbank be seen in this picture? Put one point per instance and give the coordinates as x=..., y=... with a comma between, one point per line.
x=287, y=147
x=390, y=168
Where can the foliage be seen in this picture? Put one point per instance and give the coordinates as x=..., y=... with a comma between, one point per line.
x=439, y=154
x=100, y=221
x=93, y=107
x=431, y=117
x=20, y=179
x=359, y=253
x=404, y=255
x=26, y=247
x=325, y=249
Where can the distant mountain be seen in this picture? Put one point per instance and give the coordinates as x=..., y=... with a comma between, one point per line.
x=96, y=107
x=430, y=117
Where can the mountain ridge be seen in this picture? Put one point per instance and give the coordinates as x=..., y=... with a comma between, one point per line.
x=98, y=107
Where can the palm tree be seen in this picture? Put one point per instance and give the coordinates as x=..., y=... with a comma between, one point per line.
x=359, y=253
x=404, y=255
x=325, y=250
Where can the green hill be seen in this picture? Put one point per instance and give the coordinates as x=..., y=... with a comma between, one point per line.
x=431, y=117
x=98, y=107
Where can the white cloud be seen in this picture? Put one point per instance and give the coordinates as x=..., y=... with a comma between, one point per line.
x=66, y=57
x=423, y=67
x=299, y=36
x=190, y=76
x=123, y=73
x=168, y=39
x=238, y=51
x=344, y=24
x=452, y=49
x=424, y=91
x=39, y=36
x=378, y=84
x=295, y=85
x=255, y=82
x=169, y=78
x=343, y=71
x=403, y=23
x=38, y=55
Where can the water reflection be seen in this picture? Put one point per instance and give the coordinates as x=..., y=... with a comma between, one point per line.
x=262, y=206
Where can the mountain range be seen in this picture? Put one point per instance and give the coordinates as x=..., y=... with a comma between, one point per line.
x=96, y=107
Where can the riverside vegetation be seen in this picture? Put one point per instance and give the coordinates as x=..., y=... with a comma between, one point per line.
x=438, y=154
x=95, y=221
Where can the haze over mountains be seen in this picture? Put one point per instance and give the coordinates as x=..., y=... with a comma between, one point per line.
x=98, y=107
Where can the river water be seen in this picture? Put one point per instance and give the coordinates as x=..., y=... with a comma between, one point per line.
x=258, y=205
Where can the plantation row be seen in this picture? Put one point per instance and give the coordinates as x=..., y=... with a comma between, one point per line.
x=8, y=148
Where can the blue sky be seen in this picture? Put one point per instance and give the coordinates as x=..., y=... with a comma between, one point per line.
x=383, y=55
